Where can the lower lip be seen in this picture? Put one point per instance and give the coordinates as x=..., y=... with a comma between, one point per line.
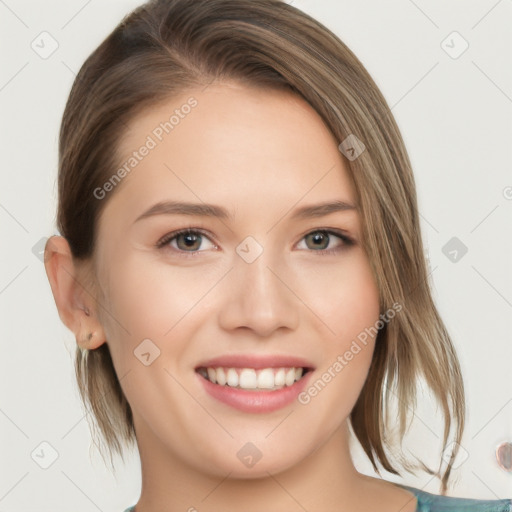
x=255, y=401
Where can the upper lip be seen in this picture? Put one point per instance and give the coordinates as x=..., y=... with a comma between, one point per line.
x=256, y=361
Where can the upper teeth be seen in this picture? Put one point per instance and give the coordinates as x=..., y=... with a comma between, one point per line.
x=249, y=378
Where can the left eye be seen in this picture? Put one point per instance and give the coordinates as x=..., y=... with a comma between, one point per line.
x=189, y=240
x=322, y=236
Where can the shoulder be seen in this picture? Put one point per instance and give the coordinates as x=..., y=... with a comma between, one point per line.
x=428, y=502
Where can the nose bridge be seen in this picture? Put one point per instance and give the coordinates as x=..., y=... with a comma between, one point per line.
x=258, y=276
x=257, y=297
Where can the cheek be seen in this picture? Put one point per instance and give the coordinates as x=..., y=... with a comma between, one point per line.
x=344, y=296
x=142, y=290
x=350, y=307
x=148, y=299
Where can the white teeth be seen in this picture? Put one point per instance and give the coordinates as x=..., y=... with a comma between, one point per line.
x=279, y=377
x=232, y=377
x=266, y=379
x=221, y=376
x=249, y=378
x=290, y=377
x=211, y=375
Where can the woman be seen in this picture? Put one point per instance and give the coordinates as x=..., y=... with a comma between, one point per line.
x=242, y=266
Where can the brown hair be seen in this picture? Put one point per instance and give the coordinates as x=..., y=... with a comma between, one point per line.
x=165, y=47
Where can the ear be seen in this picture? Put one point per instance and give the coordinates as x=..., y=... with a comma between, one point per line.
x=74, y=299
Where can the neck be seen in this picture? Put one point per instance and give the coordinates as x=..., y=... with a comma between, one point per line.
x=325, y=480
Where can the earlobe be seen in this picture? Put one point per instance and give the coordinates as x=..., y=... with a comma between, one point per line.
x=75, y=303
x=91, y=340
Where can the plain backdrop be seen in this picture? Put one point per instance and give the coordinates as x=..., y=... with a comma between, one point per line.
x=453, y=105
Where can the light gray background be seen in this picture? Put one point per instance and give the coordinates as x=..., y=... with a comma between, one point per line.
x=455, y=116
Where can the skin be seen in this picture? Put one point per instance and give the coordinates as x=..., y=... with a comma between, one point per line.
x=260, y=154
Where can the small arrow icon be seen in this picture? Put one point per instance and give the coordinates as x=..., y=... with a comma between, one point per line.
x=249, y=454
x=249, y=249
x=454, y=249
x=146, y=352
x=44, y=44
x=44, y=455
x=454, y=45
x=351, y=147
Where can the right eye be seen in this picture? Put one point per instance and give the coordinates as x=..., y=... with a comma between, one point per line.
x=185, y=239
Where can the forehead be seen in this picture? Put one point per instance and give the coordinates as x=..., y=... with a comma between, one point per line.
x=233, y=145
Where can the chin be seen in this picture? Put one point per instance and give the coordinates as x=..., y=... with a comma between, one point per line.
x=261, y=469
x=246, y=461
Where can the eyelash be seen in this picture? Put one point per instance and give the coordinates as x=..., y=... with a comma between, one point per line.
x=163, y=242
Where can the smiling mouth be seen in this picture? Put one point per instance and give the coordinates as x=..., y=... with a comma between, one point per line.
x=268, y=379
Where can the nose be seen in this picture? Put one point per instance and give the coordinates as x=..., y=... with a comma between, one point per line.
x=259, y=296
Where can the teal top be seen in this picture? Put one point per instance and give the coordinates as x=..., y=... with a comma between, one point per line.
x=428, y=502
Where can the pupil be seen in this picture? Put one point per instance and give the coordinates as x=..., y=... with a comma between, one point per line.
x=190, y=240
x=319, y=237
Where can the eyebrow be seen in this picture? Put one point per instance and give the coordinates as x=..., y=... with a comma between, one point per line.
x=212, y=210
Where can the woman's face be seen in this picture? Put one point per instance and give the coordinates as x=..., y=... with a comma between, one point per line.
x=255, y=289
